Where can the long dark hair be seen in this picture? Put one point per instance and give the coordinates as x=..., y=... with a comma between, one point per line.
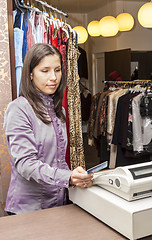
x=33, y=57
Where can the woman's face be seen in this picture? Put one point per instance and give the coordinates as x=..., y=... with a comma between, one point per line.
x=46, y=76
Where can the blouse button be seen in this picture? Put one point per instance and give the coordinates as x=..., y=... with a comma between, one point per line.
x=58, y=160
x=57, y=181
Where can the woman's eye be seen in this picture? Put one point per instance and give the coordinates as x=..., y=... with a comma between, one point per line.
x=44, y=71
x=58, y=70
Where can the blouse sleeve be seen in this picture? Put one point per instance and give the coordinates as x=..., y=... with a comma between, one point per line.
x=24, y=150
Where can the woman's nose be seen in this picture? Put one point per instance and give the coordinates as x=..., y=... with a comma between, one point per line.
x=52, y=76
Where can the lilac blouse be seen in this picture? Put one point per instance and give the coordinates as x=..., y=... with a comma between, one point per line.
x=39, y=173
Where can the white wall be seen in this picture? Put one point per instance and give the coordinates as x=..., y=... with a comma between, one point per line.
x=139, y=38
x=75, y=19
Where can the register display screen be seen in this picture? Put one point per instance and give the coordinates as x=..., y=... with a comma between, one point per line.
x=141, y=172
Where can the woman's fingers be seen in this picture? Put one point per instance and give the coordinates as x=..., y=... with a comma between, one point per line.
x=80, y=173
x=81, y=178
x=83, y=184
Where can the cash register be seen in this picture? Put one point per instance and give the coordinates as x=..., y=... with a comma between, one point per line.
x=121, y=198
x=130, y=182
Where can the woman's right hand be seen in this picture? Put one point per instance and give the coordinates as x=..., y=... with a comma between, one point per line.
x=80, y=178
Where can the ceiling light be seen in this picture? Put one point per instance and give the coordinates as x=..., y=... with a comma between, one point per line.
x=125, y=21
x=93, y=28
x=108, y=26
x=83, y=35
x=145, y=15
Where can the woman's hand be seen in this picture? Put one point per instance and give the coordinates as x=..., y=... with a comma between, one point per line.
x=80, y=178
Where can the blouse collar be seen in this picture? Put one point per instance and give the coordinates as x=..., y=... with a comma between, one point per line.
x=48, y=100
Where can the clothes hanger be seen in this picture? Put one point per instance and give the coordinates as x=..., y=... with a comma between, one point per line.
x=70, y=28
x=17, y=6
x=21, y=4
x=67, y=34
x=25, y=7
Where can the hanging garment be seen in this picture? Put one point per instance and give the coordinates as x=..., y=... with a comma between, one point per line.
x=82, y=64
x=54, y=38
x=85, y=105
x=92, y=117
x=46, y=28
x=17, y=20
x=31, y=32
x=14, y=15
x=102, y=120
x=39, y=29
x=45, y=33
x=102, y=95
x=63, y=49
x=74, y=104
x=146, y=105
x=118, y=137
x=112, y=105
x=142, y=128
x=18, y=44
x=25, y=25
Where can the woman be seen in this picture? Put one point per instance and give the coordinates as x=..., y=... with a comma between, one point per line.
x=35, y=130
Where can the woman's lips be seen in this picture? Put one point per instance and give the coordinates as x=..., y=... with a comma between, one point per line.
x=51, y=86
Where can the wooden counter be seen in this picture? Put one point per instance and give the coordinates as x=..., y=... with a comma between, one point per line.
x=60, y=223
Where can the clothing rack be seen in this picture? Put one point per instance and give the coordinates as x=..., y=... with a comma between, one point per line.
x=128, y=82
x=53, y=8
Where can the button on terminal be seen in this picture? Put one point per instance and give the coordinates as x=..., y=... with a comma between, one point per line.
x=111, y=181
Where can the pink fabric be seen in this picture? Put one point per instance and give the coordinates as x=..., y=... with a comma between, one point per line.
x=31, y=37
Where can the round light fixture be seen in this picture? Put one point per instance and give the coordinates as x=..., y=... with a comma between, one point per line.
x=145, y=15
x=125, y=21
x=93, y=28
x=83, y=35
x=108, y=26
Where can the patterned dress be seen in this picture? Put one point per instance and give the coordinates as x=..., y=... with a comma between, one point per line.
x=74, y=103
